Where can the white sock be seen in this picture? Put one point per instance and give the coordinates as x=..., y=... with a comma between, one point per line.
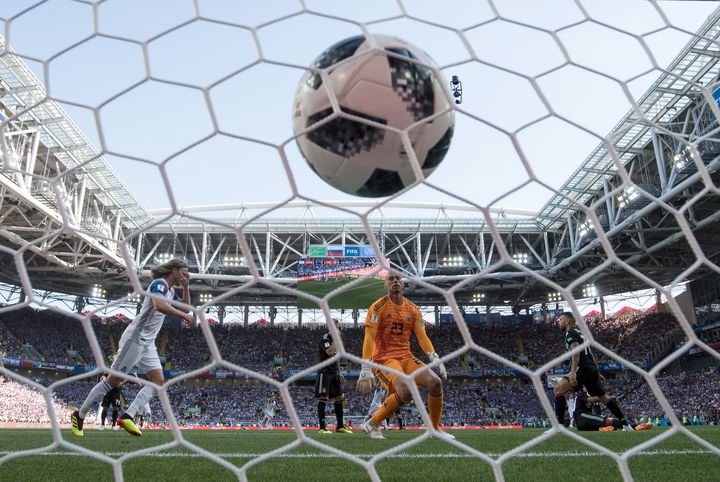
x=141, y=399
x=378, y=398
x=571, y=406
x=96, y=394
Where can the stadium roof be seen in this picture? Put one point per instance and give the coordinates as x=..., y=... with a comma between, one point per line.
x=672, y=92
x=26, y=104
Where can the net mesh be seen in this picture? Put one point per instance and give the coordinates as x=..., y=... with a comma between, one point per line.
x=206, y=119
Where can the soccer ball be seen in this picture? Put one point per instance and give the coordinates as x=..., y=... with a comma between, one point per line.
x=366, y=160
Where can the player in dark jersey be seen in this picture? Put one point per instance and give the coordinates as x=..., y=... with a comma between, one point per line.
x=329, y=384
x=584, y=372
x=110, y=400
x=587, y=418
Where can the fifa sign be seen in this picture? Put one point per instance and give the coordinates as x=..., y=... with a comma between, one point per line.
x=348, y=251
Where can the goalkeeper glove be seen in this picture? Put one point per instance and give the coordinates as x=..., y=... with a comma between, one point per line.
x=441, y=366
x=365, y=382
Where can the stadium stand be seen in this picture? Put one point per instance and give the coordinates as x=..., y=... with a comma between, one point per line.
x=481, y=391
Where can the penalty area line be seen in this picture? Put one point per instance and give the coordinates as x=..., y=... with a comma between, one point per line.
x=245, y=455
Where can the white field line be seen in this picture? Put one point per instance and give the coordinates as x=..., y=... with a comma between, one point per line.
x=243, y=455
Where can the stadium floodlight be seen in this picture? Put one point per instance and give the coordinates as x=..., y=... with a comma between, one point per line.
x=585, y=228
x=453, y=261
x=589, y=291
x=164, y=257
x=133, y=298
x=522, y=258
x=98, y=292
x=679, y=161
x=234, y=261
x=477, y=297
x=682, y=158
x=628, y=196
x=555, y=296
x=205, y=298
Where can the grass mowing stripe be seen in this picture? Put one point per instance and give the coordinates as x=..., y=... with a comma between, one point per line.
x=677, y=459
x=244, y=455
x=358, y=287
x=359, y=296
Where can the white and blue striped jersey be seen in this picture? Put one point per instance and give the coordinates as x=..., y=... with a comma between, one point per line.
x=270, y=408
x=146, y=325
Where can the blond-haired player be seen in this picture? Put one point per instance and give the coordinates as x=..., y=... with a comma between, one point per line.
x=137, y=344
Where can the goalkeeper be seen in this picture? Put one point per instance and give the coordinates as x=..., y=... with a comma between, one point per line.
x=389, y=323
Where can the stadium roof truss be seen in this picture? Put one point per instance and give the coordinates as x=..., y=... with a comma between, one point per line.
x=52, y=177
x=661, y=144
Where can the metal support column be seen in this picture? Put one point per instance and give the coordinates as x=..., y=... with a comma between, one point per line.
x=659, y=159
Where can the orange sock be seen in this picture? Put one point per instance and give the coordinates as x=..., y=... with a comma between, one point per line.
x=435, y=406
x=389, y=406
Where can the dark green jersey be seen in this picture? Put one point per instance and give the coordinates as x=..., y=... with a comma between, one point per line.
x=587, y=361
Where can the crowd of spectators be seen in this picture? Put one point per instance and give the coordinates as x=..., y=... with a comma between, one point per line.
x=644, y=337
x=711, y=335
x=254, y=347
x=60, y=338
x=688, y=393
x=466, y=402
x=263, y=349
x=9, y=343
x=23, y=404
x=53, y=335
x=705, y=317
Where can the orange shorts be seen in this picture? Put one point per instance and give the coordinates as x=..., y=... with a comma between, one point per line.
x=405, y=365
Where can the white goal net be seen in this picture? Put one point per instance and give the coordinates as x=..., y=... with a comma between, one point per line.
x=582, y=177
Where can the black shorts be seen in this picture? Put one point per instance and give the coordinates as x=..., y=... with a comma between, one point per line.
x=115, y=405
x=591, y=382
x=589, y=421
x=327, y=385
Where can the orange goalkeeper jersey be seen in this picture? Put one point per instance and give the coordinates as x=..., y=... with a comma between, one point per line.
x=395, y=324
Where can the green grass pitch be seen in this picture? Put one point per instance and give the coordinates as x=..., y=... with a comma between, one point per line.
x=359, y=296
x=560, y=458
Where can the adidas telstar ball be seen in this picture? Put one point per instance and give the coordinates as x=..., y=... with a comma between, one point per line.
x=390, y=90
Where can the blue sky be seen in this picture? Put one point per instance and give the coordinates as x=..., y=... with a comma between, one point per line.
x=158, y=122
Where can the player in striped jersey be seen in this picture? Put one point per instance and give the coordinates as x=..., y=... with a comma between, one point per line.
x=137, y=344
